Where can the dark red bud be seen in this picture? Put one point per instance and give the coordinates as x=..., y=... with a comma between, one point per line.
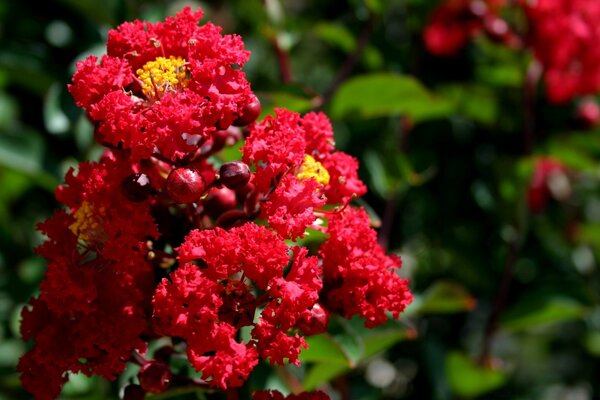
x=250, y=112
x=234, y=174
x=314, y=321
x=218, y=201
x=184, y=185
x=232, y=218
x=136, y=187
x=155, y=377
x=134, y=392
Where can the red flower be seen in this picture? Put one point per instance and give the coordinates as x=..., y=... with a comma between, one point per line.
x=359, y=278
x=291, y=297
x=454, y=22
x=290, y=209
x=563, y=36
x=93, y=302
x=254, y=250
x=161, y=83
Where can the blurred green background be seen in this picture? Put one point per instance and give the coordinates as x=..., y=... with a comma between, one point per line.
x=442, y=150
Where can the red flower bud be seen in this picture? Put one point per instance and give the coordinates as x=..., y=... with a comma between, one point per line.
x=136, y=187
x=218, y=201
x=185, y=185
x=250, y=113
x=314, y=321
x=134, y=392
x=234, y=174
x=155, y=377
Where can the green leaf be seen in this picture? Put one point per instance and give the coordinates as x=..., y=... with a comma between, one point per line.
x=469, y=380
x=382, y=94
x=23, y=152
x=442, y=298
x=534, y=312
x=335, y=35
x=55, y=120
x=322, y=373
x=476, y=102
x=10, y=352
x=592, y=343
x=8, y=110
x=381, y=340
x=324, y=348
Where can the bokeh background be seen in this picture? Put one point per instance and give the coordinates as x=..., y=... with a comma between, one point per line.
x=507, y=295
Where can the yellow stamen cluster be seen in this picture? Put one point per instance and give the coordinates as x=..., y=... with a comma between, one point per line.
x=86, y=226
x=162, y=75
x=311, y=168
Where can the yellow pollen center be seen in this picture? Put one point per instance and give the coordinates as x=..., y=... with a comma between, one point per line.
x=162, y=75
x=86, y=226
x=311, y=168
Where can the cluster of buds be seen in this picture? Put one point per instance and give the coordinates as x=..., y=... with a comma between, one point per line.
x=561, y=34
x=455, y=22
x=165, y=238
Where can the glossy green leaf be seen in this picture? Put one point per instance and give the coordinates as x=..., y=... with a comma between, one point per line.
x=322, y=373
x=381, y=340
x=443, y=297
x=533, y=313
x=380, y=95
x=335, y=35
x=324, y=348
x=476, y=102
x=469, y=380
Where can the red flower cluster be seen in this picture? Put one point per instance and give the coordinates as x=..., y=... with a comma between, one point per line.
x=561, y=33
x=159, y=240
x=564, y=36
x=165, y=87
x=454, y=22
x=94, y=303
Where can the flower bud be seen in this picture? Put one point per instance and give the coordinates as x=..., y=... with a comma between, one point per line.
x=134, y=392
x=218, y=201
x=314, y=321
x=155, y=377
x=250, y=112
x=184, y=185
x=234, y=174
x=136, y=187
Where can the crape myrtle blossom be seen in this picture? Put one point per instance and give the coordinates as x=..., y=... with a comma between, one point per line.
x=164, y=239
x=564, y=36
x=454, y=22
x=94, y=302
x=561, y=34
x=163, y=87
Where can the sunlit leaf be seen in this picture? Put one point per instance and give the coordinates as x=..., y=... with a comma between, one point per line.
x=441, y=298
x=379, y=95
x=469, y=380
x=321, y=373
x=533, y=313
